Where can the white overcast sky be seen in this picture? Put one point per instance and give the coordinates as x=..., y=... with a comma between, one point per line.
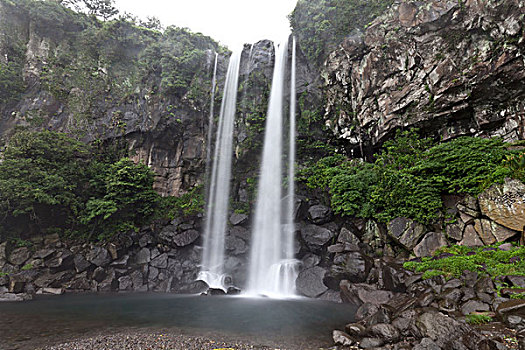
x=231, y=22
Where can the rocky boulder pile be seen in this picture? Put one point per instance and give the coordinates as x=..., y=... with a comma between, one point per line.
x=398, y=309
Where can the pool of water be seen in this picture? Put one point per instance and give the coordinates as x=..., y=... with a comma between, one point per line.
x=286, y=323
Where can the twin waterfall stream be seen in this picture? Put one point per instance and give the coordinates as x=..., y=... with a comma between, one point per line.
x=272, y=269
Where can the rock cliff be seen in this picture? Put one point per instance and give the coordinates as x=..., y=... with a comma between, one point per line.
x=449, y=68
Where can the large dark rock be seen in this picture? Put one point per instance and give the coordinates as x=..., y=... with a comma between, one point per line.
x=316, y=237
x=385, y=331
x=347, y=236
x=430, y=243
x=238, y=219
x=19, y=256
x=99, y=256
x=353, y=266
x=319, y=214
x=341, y=338
x=235, y=245
x=406, y=232
x=81, y=264
x=143, y=256
x=360, y=293
x=310, y=282
x=186, y=238
x=160, y=261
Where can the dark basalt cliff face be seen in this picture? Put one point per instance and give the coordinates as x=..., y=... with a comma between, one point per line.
x=449, y=68
x=106, y=82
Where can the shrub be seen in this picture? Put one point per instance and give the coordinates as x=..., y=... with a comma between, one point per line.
x=410, y=176
x=477, y=319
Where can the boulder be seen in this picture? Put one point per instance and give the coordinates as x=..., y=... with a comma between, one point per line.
x=347, y=236
x=143, y=256
x=471, y=238
x=240, y=232
x=63, y=260
x=160, y=261
x=121, y=263
x=455, y=231
x=319, y=214
x=385, y=331
x=505, y=204
x=235, y=245
x=43, y=253
x=316, y=237
x=186, y=238
x=310, y=282
x=99, y=274
x=370, y=343
x=472, y=306
x=3, y=256
x=19, y=256
x=238, y=219
x=99, y=256
x=515, y=307
x=353, y=266
x=125, y=283
x=430, y=243
x=341, y=338
x=406, y=232
x=360, y=293
x=393, y=277
x=492, y=229
x=427, y=344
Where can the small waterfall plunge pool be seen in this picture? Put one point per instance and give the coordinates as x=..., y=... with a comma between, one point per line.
x=293, y=324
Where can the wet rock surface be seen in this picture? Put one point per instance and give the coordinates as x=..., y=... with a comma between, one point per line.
x=413, y=66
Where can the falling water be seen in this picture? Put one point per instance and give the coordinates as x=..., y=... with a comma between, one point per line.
x=210, y=125
x=291, y=165
x=212, y=271
x=272, y=269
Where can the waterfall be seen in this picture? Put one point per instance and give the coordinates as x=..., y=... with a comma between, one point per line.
x=272, y=270
x=291, y=164
x=212, y=269
x=210, y=126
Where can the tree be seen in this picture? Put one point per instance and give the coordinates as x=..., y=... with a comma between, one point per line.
x=104, y=9
x=101, y=8
x=151, y=23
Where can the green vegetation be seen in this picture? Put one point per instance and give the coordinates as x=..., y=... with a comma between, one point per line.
x=410, y=175
x=190, y=203
x=477, y=319
x=321, y=25
x=453, y=261
x=96, y=66
x=51, y=183
x=11, y=82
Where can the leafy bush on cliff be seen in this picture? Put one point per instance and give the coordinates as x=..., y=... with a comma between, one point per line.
x=409, y=176
x=321, y=25
x=50, y=182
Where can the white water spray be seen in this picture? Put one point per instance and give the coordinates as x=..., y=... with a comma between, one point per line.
x=212, y=269
x=272, y=270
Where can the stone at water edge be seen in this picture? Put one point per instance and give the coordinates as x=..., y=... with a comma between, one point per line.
x=99, y=256
x=19, y=256
x=341, y=338
x=310, y=282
